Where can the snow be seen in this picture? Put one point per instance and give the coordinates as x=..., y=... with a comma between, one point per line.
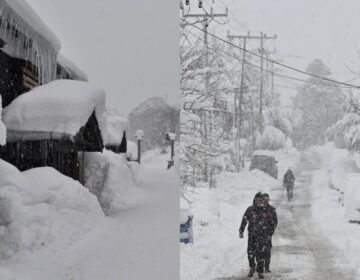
x=271, y=139
x=61, y=107
x=113, y=180
x=2, y=127
x=136, y=243
x=327, y=209
x=40, y=207
x=44, y=45
x=217, y=251
x=132, y=150
x=71, y=67
x=25, y=11
x=116, y=125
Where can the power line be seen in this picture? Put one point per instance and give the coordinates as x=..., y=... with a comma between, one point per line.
x=276, y=73
x=276, y=62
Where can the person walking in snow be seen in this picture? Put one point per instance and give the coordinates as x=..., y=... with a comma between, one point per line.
x=255, y=219
x=271, y=223
x=288, y=183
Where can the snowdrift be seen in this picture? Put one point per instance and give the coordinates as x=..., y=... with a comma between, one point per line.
x=113, y=180
x=41, y=206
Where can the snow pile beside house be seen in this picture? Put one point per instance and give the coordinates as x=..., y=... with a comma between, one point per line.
x=61, y=107
x=2, y=127
x=41, y=206
x=113, y=180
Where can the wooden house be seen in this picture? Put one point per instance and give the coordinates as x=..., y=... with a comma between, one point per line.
x=41, y=132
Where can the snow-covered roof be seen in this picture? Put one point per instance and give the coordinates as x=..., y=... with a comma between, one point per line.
x=25, y=15
x=32, y=40
x=71, y=67
x=60, y=107
x=115, y=127
x=264, y=153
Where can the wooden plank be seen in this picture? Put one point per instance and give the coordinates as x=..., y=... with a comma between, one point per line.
x=30, y=74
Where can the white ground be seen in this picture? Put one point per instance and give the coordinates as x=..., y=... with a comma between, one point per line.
x=313, y=241
x=137, y=243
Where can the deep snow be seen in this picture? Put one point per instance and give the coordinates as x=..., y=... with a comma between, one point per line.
x=313, y=241
x=136, y=243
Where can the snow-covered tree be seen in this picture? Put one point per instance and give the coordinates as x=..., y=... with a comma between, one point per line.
x=319, y=106
x=156, y=118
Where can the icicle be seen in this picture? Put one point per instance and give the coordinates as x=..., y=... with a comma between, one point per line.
x=28, y=44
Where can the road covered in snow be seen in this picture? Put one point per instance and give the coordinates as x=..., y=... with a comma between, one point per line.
x=137, y=243
x=307, y=245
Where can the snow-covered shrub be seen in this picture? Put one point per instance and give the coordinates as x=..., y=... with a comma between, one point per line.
x=41, y=206
x=271, y=139
x=346, y=132
x=113, y=180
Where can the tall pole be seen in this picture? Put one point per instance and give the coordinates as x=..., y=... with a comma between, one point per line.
x=207, y=75
x=261, y=81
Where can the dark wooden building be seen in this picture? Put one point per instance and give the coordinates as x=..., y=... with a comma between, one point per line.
x=27, y=149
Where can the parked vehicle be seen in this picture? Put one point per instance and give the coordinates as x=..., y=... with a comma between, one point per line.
x=265, y=163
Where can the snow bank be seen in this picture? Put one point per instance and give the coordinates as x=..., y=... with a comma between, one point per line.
x=351, y=188
x=2, y=127
x=62, y=106
x=72, y=68
x=113, y=180
x=132, y=150
x=329, y=214
x=41, y=206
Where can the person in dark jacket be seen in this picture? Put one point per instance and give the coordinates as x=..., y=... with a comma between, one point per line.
x=271, y=223
x=255, y=219
x=289, y=179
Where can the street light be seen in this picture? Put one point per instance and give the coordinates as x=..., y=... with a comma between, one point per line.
x=171, y=137
x=139, y=135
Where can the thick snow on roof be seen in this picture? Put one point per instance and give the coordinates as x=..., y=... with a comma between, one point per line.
x=71, y=67
x=115, y=127
x=28, y=15
x=60, y=107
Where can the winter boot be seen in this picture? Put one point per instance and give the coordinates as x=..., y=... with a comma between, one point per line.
x=261, y=276
x=267, y=270
x=251, y=272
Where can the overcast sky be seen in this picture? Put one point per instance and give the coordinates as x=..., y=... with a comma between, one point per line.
x=306, y=29
x=128, y=47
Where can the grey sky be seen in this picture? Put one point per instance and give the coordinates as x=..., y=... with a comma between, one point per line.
x=128, y=47
x=306, y=29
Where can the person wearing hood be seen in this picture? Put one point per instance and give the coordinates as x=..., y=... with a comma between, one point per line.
x=254, y=218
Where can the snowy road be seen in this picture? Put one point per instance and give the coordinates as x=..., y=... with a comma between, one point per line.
x=137, y=244
x=300, y=251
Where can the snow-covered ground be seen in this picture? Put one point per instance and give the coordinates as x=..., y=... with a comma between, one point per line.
x=217, y=250
x=49, y=211
x=313, y=241
x=329, y=209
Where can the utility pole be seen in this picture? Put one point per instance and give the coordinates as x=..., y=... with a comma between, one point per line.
x=263, y=37
x=207, y=17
